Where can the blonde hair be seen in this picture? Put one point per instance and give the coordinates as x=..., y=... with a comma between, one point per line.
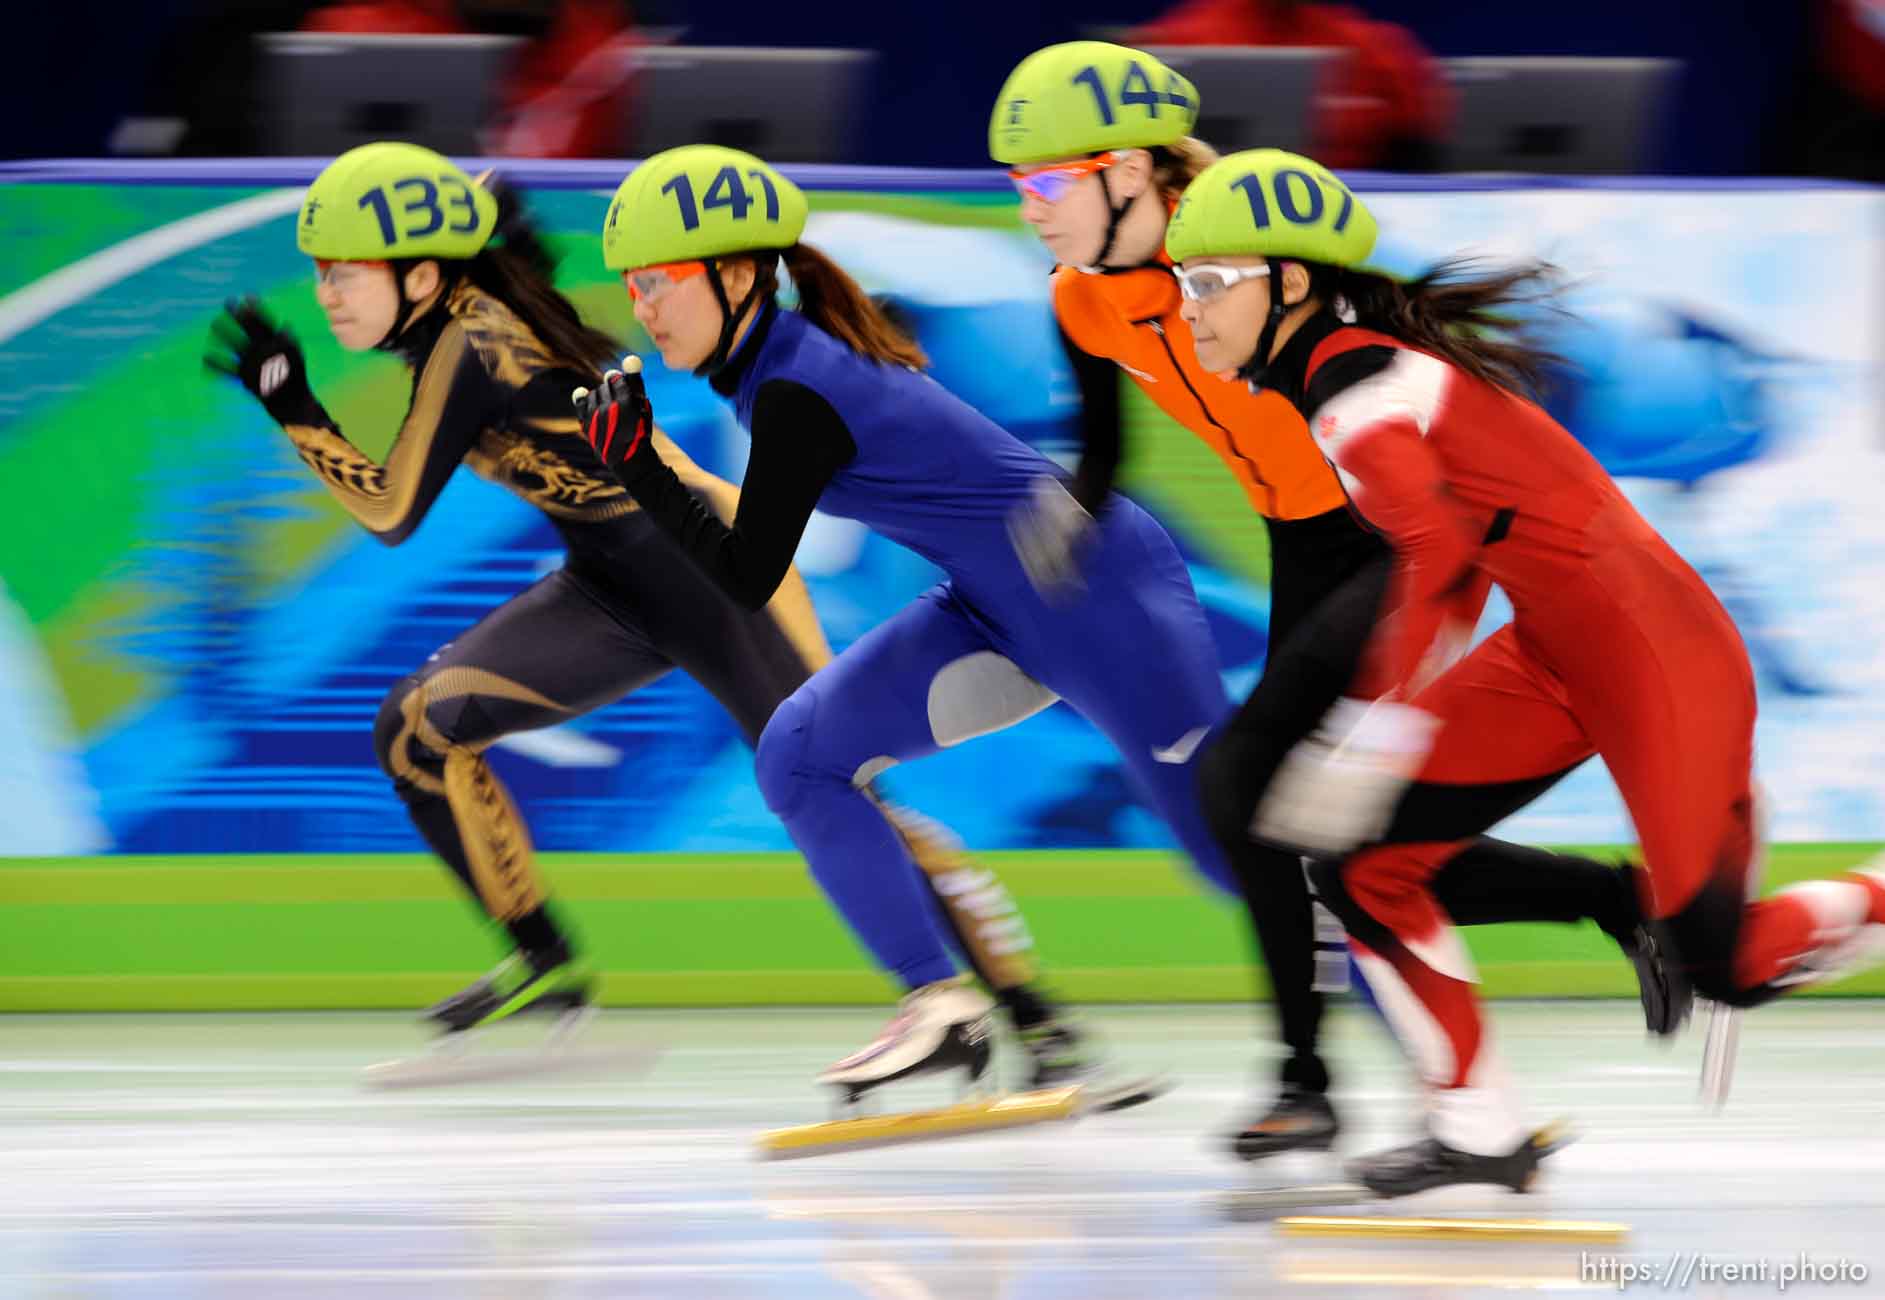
x=1176, y=165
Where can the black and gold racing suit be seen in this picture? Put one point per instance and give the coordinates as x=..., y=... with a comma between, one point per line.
x=626, y=607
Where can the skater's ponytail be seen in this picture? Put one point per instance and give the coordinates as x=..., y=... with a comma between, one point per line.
x=517, y=269
x=838, y=305
x=1481, y=321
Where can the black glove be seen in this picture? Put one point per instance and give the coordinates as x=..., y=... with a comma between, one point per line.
x=619, y=423
x=246, y=345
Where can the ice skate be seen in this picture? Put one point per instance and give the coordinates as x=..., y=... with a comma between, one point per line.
x=938, y=1029
x=1061, y=1054
x=1300, y=1120
x=1429, y=1163
x=555, y=983
x=1667, y=997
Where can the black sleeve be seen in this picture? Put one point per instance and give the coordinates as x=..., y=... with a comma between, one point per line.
x=799, y=443
x=1101, y=441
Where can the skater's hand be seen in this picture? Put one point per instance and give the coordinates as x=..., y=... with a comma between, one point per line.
x=1049, y=532
x=1337, y=790
x=248, y=346
x=618, y=421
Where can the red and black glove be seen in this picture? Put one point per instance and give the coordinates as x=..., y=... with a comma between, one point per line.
x=618, y=421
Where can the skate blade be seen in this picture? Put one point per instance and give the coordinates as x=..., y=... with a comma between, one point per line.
x=1386, y=1228
x=985, y=1115
x=445, y=1072
x=1107, y=1096
x=1719, y=1048
x=1270, y=1204
x=456, y=1062
x=1263, y=1203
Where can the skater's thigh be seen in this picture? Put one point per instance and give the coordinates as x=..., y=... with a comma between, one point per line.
x=551, y=653
x=1507, y=734
x=1135, y=656
x=744, y=659
x=925, y=680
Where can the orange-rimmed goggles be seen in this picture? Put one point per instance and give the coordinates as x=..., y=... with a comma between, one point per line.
x=1052, y=183
x=650, y=283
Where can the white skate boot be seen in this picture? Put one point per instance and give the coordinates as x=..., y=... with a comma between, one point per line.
x=939, y=1027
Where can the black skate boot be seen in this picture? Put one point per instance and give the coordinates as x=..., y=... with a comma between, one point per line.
x=1301, y=1120
x=551, y=980
x=1062, y=1055
x=1661, y=984
x=1668, y=998
x=1429, y=1163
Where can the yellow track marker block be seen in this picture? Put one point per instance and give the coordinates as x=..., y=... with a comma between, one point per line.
x=981, y=1116
x=1399, y=1229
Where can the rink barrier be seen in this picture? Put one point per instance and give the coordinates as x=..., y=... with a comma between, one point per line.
x=241, y=933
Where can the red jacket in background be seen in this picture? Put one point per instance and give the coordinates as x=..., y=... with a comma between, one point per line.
x=1387, y=89
x=567, y=96
x=571, y=93
x=387, y=18
x=1852, y=48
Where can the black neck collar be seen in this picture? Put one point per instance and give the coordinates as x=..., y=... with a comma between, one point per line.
x=1288, y=370
x=726, y=380
x=415, y=343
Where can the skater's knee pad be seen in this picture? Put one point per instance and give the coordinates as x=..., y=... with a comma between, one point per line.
x=798, y=751
x=779, y=759
x=397, y=743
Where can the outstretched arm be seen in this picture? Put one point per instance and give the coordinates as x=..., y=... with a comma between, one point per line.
x=799, y=443
x=791, y=604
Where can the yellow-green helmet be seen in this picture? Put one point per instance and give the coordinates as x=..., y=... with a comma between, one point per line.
x=700, y=201
x=1269, y=203
x=390, y=200
x=1085, y=97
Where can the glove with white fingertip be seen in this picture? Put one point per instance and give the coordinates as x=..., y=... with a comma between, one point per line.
x=618, y=421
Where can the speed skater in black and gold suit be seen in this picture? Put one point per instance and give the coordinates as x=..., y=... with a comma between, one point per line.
x=415, y=258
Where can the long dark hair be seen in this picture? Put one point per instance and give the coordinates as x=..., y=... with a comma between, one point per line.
x=518, y=270
x=838, y=305
x=1464, y=314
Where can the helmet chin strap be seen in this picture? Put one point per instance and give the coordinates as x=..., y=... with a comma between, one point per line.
x=1253, y=371
x=402, y=316
x=729, y=319
x=1116, y=213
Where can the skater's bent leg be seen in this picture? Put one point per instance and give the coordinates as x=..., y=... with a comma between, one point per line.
x=857, y=857
x=1423, y=979
x=494, y=680
x=1506, y=733
x=923, y=680
x=1492, y=882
